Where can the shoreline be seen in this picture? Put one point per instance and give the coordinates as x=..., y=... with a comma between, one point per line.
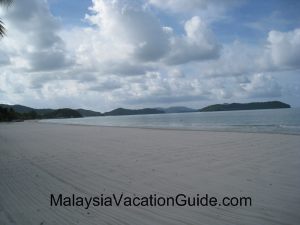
x=166, y=128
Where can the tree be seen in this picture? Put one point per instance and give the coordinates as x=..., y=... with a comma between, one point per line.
x=8, y=114
x=2, y=28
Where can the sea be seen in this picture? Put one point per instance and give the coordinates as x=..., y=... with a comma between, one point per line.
x=285, y=121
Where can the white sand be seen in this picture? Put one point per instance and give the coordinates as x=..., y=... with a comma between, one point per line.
x=39, y=159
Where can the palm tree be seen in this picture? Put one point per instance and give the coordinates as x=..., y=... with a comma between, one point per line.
x=2, y=28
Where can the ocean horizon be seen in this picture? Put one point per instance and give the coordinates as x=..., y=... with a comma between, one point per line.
x=285, y=121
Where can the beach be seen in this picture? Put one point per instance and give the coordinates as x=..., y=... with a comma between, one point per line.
x=38, y=160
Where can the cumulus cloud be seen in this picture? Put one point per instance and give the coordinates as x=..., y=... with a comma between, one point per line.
x=236, y=59
x=197, y=44
x=283, y=49
x=107, y=84
x=261, y=85
x=132, y=26
x=159, y=88
x=279, y=52
x=129, y=40
x=33, y=37
x=127, y=56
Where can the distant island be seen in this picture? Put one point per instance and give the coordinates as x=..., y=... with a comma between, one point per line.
x=177, y=109
x=50, y=113
x=63, y=113
x=122, y=112
x=20, y=112
x=245, y=106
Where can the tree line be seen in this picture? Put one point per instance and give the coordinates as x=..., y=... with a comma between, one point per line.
x=9, y=114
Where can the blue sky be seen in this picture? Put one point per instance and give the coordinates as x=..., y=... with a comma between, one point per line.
x=280, y=15
x=72, y=13
x=104, y=54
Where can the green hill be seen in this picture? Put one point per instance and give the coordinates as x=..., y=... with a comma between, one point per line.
x=177, y=109
x=245, y=106
x=64, y=113
x=88, y=113
x=122, y=112
x=26, y=109
x=32, y=113
x=17, y=108
x=8, y=114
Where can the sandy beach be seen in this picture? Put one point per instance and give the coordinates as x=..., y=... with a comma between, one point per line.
x=39, y=159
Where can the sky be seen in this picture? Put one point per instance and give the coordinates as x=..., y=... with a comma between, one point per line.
x=104, y=54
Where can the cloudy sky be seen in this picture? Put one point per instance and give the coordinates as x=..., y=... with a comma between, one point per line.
x=103, y=54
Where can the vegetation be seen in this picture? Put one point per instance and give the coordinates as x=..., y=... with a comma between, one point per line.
x=8, y=114
x=20, y=112
x=88, y=113
x=177, y=109
x=63, y=113
x=122, y=112
x=2, y=28
x=245, y=106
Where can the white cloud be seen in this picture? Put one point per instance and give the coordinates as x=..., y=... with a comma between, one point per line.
x=197, y=44
x=129, y=40
x=261, y=85
x=32, y=37
x=279, y=52
x=127, y=57
x=106, y=84
x=132, y=26
x=283, y=49
x=235, y=59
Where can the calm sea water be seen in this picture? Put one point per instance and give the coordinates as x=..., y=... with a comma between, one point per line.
x=270, y=121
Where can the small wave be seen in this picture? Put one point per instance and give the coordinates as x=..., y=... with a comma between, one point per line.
x=290, y=126
x=253, y=125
